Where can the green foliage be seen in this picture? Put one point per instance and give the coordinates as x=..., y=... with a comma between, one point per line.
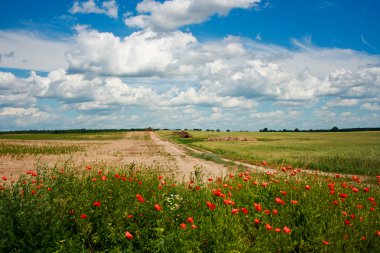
x=90, y=209
x=343, y=152
x=19, y=150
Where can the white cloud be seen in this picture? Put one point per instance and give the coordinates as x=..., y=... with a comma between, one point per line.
x=342, y=102
x=371, y=106
x=109, y=8
x=31, y=51
x=170, y=15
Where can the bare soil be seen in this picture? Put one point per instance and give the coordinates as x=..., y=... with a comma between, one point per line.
x=136, y=147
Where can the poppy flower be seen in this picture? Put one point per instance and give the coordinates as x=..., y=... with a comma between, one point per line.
x=97, y=203
x=264, y=184
x=83, y=216
x=275, y=211
x=190, y=220
x=257, y=207
x=183, y=225
x=130, y=216
x=325, y=242
x=366, y=189
x=268, y=227
x=377, y=233
x=264, y=163
x=117, y=175
x=267, y=211
x=104, y=178
x=94, y=179
x=4, y=178
x=49, y=189
x=160, y=177
x=193, y=226
x=244, y=210
x=279, y=201
x=286, y=230
x=355, y=190
x=307, y=187
x=347, y=222
x=283, y=192
x=343, y=195
x=128, y=235
x=363, y=238
x=277, y=230
x=294, y=202
x=33, y=173
x=158, y=207
x=139, y=198
x=235, y=211
x=257, y=221
x=210, y=205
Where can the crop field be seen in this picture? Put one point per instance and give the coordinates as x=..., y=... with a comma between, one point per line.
x=64, y=136
x=343, y=152
x=132, y=202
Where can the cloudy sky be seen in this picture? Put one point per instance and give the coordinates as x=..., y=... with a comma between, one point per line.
x=227, y=64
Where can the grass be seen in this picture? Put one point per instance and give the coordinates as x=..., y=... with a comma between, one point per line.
x=65, y=136
x=19, y=150
x=356, y=152
x=91, y=209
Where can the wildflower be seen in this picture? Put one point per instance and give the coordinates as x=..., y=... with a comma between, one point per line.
x=279, y=201
x=268, y=227
x=210, y=205
x=287, y=230
x=33, y=173
x=4, y=178
x=275, y=211
x=244, y=210
x=267, y=212
x=277, y=230
x=264, y=184
x=83, y=216
x=130, y=216
x=264, y=163
x=88, y=167
x=355, y=190
x=34, y=192
x=104, y=178
x=325, y=242
x=335, y=202
x=117, y=176
x=347, y=222
x=283, y=192
x=49, y=189
x=97, y=203
x=160, y=177
x=190, y=220
x=307, y=187
x=377, y=233
x=343, y=195
x=158, y=207
x=193, y=226
x=128, y=235
x=257, y=221
x=366, y=189
x=257, y=207
x=210, y=179
x=235, y=211
x=94, y=179
x=294, y=202
x=139, y=198
x=183, y=225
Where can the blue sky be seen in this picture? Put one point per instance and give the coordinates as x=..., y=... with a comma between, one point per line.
x=238, y=64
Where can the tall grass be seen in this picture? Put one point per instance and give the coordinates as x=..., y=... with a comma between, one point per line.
x=135, y=209
x=20, y=150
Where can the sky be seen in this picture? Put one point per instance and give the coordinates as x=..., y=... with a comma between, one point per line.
x=209, y=64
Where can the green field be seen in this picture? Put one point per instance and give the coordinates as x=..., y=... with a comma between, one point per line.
x=65, y=136
x=343, y=152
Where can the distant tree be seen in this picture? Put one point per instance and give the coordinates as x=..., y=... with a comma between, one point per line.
x=335, y=129
x=296, y=130
x=218, y=130
x=284, y=130
x=228, y=130
x=265, y=130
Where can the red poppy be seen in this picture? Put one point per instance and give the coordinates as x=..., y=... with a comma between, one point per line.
x=83, y=216
x=347, y=222
x=210, y=179
x=275, y=211
x=117, y=175
x=355, y=190
x=4, y=178
x=158, y=207
x=34, y=192
x=267, y=211
x=244, y=210
x=130, y=216
x=257, y=221
x=343, y=195
x=307, y=187
x=268, y=227
x=280, y=201
x=190, y=220
x=286, y=230
x=264, y=184
x=193, y=226
x=139, y=198
x=128, y=235
x=235, y=211
x=88, y=167
x=97, y=204
x=363, y=238
x=277, y=230
x=104, y=178
x=377, y=233
x=283, y=192
x=366, y=189
x=257, y=207
x=49, y=189
x=183, y=225
x=264, y=163
x=160, y=177
x=294, y=202
x=94, y=179
x=34, y=174
x=210, y=205
x=325, y=242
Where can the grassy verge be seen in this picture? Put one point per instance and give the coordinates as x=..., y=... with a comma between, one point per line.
x=135, y=209
x=356, y=153
x=19, y=150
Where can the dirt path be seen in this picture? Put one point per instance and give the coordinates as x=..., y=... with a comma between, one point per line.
x=135, y=147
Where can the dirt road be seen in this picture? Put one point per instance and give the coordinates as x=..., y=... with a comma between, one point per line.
x=135, y=147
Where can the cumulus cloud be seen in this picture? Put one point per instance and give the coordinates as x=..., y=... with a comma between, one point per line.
x=169, y=15
x=109, y=8
x=342, y=102
x=371, y=106
x=25, y=50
